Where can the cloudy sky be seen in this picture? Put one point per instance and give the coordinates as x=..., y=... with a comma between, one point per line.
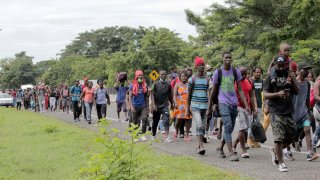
x=44, y=27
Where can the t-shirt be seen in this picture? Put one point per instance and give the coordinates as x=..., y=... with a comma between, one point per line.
x=53, y=94
x=41, y=93
x=199, y=98
x=174, y=82
x=76, y=92
x=278, y=105
x=138, y=101
x=227, y=94
x=246, y=88
x=121, y=93
x=299, y=102
x=101, y=95
x=162, y=92
x=19, y=96
x=65, y=92
x=14, y=94
x=258, y=88
x=88, y=94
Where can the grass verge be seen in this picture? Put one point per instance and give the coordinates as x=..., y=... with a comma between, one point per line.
x=37, y=147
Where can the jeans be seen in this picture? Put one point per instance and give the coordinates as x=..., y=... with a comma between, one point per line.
x=84, y=110
x=41, y=104
x=101, y=110
x=75, y=106
x=88, y=108
x=156, y=118
x=228, y=115
x=140, y=114
x=200, y=119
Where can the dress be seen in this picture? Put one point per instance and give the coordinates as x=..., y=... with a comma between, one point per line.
x=182, y=102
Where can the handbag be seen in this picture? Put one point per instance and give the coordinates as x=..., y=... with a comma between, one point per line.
x=258, y=132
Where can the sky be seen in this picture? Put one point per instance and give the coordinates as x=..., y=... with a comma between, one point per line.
x=43, y=28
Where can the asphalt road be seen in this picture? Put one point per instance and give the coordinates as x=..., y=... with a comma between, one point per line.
x=258, y=166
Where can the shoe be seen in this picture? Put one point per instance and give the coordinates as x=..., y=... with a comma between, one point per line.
x=283, y=167
x=143, y=138
x=163, y=132
x=89, y=121
x=205, y=139
x=253, y=144
x=75, y=120
x=234, y=157
x=214, y=133
x=288, y=156
x=181, y=136
x=312, y=156
x=300, y=144
x=190, y=133
x=220, y=153
x=245, y=155
x=168, y=140
x=153, y=138
x=149, y=128
x=188, y=138
x=273, y=157
x=234, y=150
x=175, y=135
x=201, y=152
x=127, y=119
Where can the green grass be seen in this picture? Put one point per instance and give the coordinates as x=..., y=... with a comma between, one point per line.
x=37, y=147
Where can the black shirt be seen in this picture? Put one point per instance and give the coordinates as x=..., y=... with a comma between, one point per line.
x=161, y=91
x=278, y=105
x=258, y=87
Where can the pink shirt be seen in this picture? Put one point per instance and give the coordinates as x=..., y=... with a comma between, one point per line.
x=88, y=95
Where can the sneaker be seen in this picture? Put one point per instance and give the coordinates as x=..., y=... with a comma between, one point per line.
x=75, y=120
x=234, y=157
x=245, y=155
x=163, y=132
x=153, y=138
x=288, y=156
x=200, y=152
x=89, y=121
x=168, y=140
x=190, y=134
x=283, y=167
x=312, y=156
x=143, y=138
x=220, y=153
x=181, y=136
x=205, y=139
x=273, y=157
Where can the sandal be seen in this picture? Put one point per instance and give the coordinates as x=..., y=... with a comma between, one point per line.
x=175, y=135
x=188, y=138
x=245, y=155
x=201, y=152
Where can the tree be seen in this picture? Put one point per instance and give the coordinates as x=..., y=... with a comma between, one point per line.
x=17, y=71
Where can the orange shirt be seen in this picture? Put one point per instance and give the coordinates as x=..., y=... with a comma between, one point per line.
x=88, y=94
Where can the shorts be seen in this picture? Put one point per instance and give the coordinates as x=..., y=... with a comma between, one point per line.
x=65, y=102
x=243, y=120
x=283, y=128
x=304, y=123
x=121, y=105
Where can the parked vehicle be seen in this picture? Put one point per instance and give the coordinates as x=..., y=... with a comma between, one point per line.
x=6, y=100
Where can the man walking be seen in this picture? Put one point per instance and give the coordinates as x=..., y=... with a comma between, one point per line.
x=279, y=92
x=224, y=93
x=160, y=97
x=101, y=97
x=76, y=91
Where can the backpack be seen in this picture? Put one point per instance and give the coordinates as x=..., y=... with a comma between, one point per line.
x=216, y=91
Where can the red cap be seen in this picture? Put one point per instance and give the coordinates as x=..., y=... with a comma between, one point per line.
x=294, y=66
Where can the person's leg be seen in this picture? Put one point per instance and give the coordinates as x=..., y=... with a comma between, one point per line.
x=266, y=121
x=124, y=109
x=307, y=133
x=103, y=110
x=166, y=118
x=98, y=107
x=200, y=129
x=75, y=105
x=84, y=111
x=177, y=125
x=278, y=146
x=136, y=117
x=144, y=119
x=155, y=122
x=188, y=126
x=119, y=105
x=181, y=128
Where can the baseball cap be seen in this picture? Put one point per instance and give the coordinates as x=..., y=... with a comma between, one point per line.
x=279, y=60
x=304, y=65
x=77, y=80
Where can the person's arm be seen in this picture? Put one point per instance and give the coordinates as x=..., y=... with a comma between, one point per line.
x=171, y=98
x=211, y=96
x=130, y=101
x=153, y=104
x=147, y=100
x=316, y=90
x=82, y=94
x=294, y=87
x=108, y=97
x=190, y=91
x=253, y=101
x=175, y=92
x=268, y=93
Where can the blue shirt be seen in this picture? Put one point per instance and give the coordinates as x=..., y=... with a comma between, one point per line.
x=139, y=100
x=121, y=93
x=76, y=92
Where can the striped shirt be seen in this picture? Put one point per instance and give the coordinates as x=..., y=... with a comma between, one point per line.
x=199, y=99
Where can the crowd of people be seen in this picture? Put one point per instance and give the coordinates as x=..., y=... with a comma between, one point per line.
x=228, y=99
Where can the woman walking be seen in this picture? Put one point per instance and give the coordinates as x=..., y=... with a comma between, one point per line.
x=88, y=98
x=180, y=97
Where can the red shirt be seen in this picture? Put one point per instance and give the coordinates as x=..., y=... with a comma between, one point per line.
x=174, y=82
x=246, y=88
